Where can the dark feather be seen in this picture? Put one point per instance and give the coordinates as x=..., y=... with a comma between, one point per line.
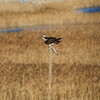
x=51, y=40
x=58, y=38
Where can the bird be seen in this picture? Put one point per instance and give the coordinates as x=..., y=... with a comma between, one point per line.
x=50, y=41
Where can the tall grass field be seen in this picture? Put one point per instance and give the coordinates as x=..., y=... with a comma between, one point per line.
x=24, y=57
x=17, y=14
x=76, y=70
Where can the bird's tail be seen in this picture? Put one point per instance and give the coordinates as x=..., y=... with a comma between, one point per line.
x=58, y=42
x=58, y=39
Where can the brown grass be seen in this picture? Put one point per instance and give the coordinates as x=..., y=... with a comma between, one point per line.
x=76, y=70
x=17, y=14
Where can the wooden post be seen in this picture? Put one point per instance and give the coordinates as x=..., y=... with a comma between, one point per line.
x=50, y=74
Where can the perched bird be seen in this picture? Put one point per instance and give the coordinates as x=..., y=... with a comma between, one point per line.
x=50, y=41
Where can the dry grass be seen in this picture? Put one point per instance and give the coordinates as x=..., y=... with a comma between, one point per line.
x=76, y=70
x=17, y=14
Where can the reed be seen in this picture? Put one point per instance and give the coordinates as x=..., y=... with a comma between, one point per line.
x=76, y=70
x=17, y=14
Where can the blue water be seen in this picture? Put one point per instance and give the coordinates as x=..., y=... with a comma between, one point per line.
x=23, y=29
x=11, y=30
x=89, y=10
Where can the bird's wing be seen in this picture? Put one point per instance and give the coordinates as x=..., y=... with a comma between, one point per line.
x=51, y=40
x=46, y=37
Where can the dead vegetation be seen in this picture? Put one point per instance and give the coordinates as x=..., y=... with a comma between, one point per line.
x=24, y=57
x=76, y=70
x=18, y=14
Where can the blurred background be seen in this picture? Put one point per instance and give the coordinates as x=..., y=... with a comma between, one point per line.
x=23, y=13
x=24, y=56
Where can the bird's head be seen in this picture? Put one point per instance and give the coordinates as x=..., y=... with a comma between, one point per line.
x=43, y=37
